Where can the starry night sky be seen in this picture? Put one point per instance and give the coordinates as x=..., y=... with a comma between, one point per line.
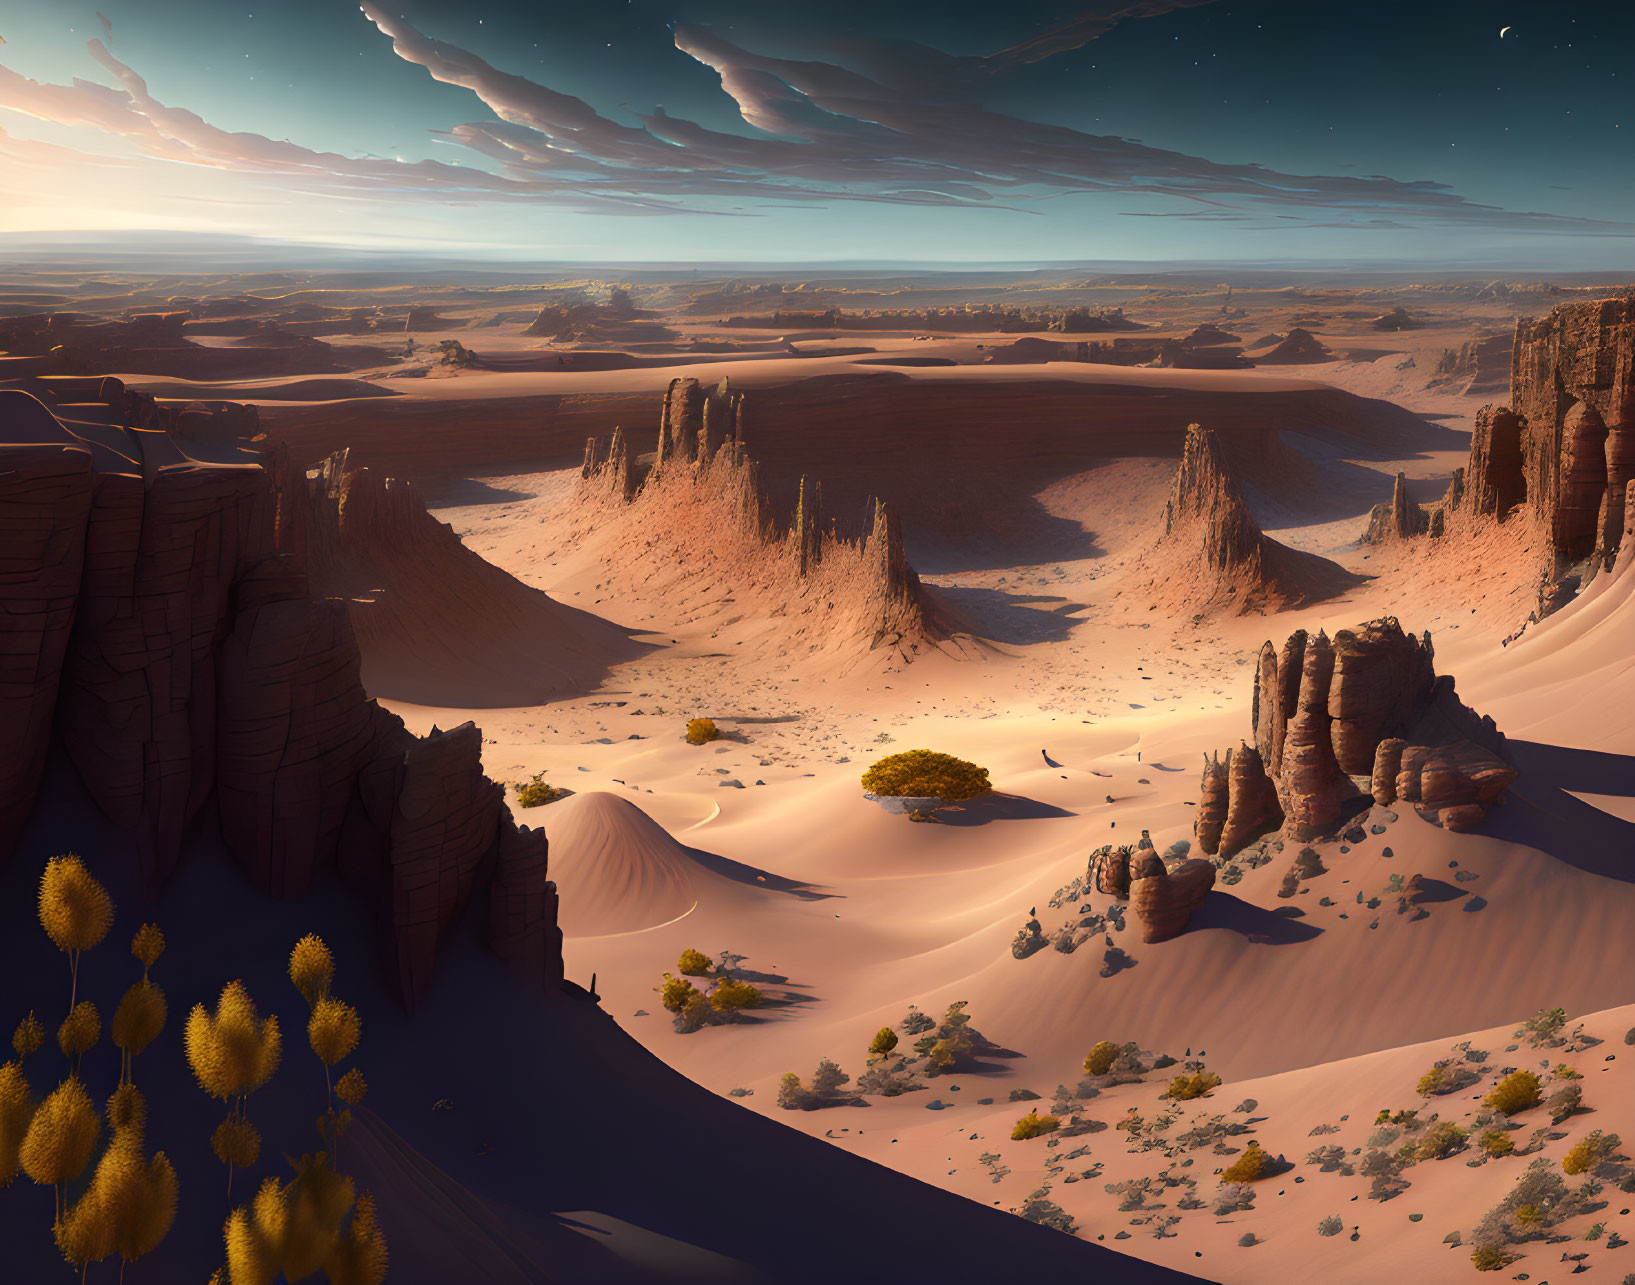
x=898, y=129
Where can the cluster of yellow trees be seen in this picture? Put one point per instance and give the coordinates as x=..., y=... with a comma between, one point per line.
x=294, y=1229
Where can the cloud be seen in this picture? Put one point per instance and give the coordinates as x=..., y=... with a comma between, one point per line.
x=872, y=121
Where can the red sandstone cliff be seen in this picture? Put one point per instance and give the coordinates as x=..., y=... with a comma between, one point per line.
x=154, y=623
x=1213, y=556
x=696, y=515
x=1571, y=453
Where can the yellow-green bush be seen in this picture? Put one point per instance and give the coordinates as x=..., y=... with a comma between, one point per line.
x=536, y=793
x=1518, y=1091
x=1589, y=1151
x=700, y=730
x=1034, y=1125
x=1185, y=1087
x=1432, y=1080
x=1496, y=1142
x=1491, y=1258
x=693, y=963
x=729, y=996
x=1443, y=1140
x=885, y=1039
x=1247, y=1167
x=1101, y=1058
x=675, y=993
x=926, y=774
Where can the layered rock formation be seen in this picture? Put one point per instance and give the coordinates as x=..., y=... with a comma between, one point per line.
x=1572, y=385
x=1213, y=554
x=1164, y=900
x=1401, y=519
x=438, y=624
x=160, y=620
x=700, y=507
x=1339, y=724
x=154, y=344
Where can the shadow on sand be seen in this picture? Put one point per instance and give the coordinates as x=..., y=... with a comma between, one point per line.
x=1263, y=927
x=998, y=807
x=1541, y=813
x=755, y=877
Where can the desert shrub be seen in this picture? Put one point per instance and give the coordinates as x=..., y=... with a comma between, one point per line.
x=1491, y=1258
x=1564, y=1072
x=676, y=992
x=1518, y=1091
x=1382, y=1164
x=1247, y=1239
x=1101, y=1057
x=701, y=730
x=885, y=1039
x=828, y=1078
x=1247, y=1167
x=536, y=793
x=1538, y=1200
x=1330, y=1226
x=728, y=996
x=1443, y=1140
x=1186, y=1087
x=916, y=1021
x=1563, y=1102
x=695, y=1013
x=693, y=963
x=1496, y=1142
x=888, y=1081
x=792, y=1094
x=1034, y=1125
x=1543, y=1028
x=1432, y=1080
x=1589, y=1151
x=1234, y=1197
x=926, y=774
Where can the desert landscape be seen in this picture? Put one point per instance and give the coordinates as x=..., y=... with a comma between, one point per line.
x=827, y=767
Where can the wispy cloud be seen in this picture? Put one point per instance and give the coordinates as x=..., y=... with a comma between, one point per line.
x=872, y=121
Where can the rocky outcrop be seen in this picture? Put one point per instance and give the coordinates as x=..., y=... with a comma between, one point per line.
x=1213, y=801
x=700, y=504
x=178, y=651
x=1298, y=347
x=1252, y=808
x=1401, y=519
x=1165, y=901
x=1395, y=319
x=1494, y=481
x=1212, y=552
x=1572, y=382
x=1369, y=721
x=1110, y=871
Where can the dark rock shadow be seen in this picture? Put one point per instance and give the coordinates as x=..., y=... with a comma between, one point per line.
x=1539, y=813
x=1588, y=771
x=1004, y=617
x=1263, y=927
x=755, y=877
x=1432, y=891
x=998, y=807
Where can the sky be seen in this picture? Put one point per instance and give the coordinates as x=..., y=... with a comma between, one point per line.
x=662, y=131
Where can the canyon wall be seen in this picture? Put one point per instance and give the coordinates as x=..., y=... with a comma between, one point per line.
x=159, y=618
x=694, y=511
x=1566, y=442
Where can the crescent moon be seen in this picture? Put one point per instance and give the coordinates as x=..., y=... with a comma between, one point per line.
x=1502, y=30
